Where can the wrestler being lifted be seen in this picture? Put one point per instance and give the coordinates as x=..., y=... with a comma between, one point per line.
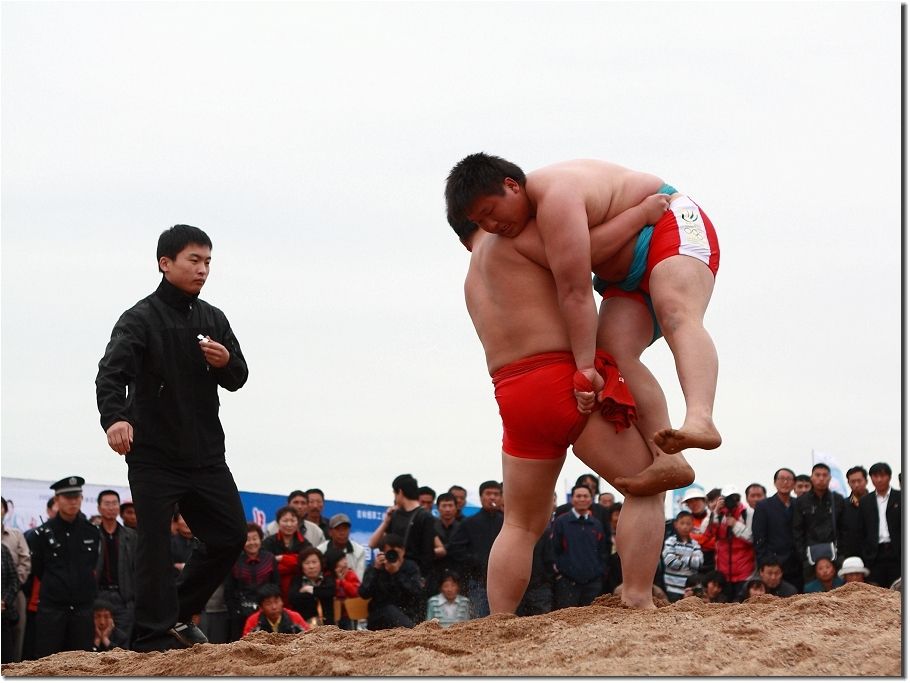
x=656, y=273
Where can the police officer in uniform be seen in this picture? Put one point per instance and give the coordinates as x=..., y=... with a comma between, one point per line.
x=64, y=557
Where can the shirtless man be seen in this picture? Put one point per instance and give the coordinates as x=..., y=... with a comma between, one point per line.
x=674, y=262
x=512, y=299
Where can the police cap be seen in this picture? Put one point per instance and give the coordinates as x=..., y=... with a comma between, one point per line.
x=68, y=486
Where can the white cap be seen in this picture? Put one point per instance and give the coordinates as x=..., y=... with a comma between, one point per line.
x=693, y=492
x=853, y=565
x=727, y=490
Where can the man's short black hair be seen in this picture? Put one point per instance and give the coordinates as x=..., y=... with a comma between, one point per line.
x=283, y=510
x=268, y=590
x=443, y=497
x=858, y=468
x=309, y=491
x=391, y=540
x=763, y=489
x=589, y=475
x=294, y=494
x=716, y=577
x=770, y=561
x=490, y=484
x=51, y=501
x=683, y=513
x=407, y=484
x=821, y=466
x=456, y=487
x=426, y=490
x=101, y=605
x=803, y=477
x=784, y=469
x=477, y=175
x=579, y=486
x=109, y=492
x=713, y=494
x=880, y=468
x=451, y=575
x=174, y=240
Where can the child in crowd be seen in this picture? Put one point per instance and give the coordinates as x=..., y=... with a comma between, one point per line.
x=272, y=617
x=347, y=583
x=755, y=587
x=682, y=556
x=448, y=606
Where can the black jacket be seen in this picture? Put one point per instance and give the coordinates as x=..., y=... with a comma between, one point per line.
x=472, y=541
x=404, y=588
x=869, y=508
x=126, y=561
x=851, y=537
x=64, y=558
x=772, y=529
x=173, y=394
x=306, y=603
x=814, y=522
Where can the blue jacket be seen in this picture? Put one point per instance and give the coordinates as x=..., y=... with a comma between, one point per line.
x=580, y=546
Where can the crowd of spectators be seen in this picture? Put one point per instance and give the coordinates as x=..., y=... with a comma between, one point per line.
x=427, y=560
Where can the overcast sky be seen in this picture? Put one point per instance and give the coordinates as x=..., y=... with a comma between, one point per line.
x=312, y=141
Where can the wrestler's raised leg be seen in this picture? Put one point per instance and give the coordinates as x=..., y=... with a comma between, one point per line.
x=527, y=487
x=681, y=288
x=640, y=532
x=625, y=330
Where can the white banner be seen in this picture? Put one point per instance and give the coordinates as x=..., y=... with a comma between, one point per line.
x=838, y=480
x=27, y=500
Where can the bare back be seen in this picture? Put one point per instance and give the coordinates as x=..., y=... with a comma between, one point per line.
x=607, y=189
x=512, y=300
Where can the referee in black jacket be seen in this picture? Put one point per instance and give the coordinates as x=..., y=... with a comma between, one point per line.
x=157, y=391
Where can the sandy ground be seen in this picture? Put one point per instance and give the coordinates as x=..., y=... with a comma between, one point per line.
x=854, y=630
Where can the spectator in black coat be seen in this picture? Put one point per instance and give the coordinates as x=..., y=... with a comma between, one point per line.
x=772, y=528
x=882, y=528
x=394, y=586
x=312, y=592
x=471, y=544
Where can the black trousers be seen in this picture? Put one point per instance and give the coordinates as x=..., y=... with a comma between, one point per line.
x=7, y=639
x=885, y=569
x=210, y=504
x=388, y=616
x=122, y=612
x=60, y=628
x=569, y=593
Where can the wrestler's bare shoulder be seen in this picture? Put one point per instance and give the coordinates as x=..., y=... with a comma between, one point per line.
x=607, y=189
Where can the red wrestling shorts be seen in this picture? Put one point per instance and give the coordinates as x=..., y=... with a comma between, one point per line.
x=540, y=418
x=683, y=229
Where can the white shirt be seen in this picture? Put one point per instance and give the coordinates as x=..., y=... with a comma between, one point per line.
x=883, y=535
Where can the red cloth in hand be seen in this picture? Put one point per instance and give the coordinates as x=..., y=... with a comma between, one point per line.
x=616, y=402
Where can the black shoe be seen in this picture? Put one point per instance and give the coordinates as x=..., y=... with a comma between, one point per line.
x=188, y=634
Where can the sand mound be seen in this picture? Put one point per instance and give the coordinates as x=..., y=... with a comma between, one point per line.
x=854, y=630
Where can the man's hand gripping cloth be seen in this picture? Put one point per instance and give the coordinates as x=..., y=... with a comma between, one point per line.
x=615, y=399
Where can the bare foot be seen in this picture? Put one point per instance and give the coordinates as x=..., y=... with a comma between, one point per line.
x=666, y=473
x=703, y=435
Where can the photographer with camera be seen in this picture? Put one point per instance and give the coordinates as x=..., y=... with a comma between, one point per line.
x=731, y=528
x=394, y=586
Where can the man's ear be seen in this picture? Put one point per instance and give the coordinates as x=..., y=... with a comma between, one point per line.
x=164, y=263
x=512, y=185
